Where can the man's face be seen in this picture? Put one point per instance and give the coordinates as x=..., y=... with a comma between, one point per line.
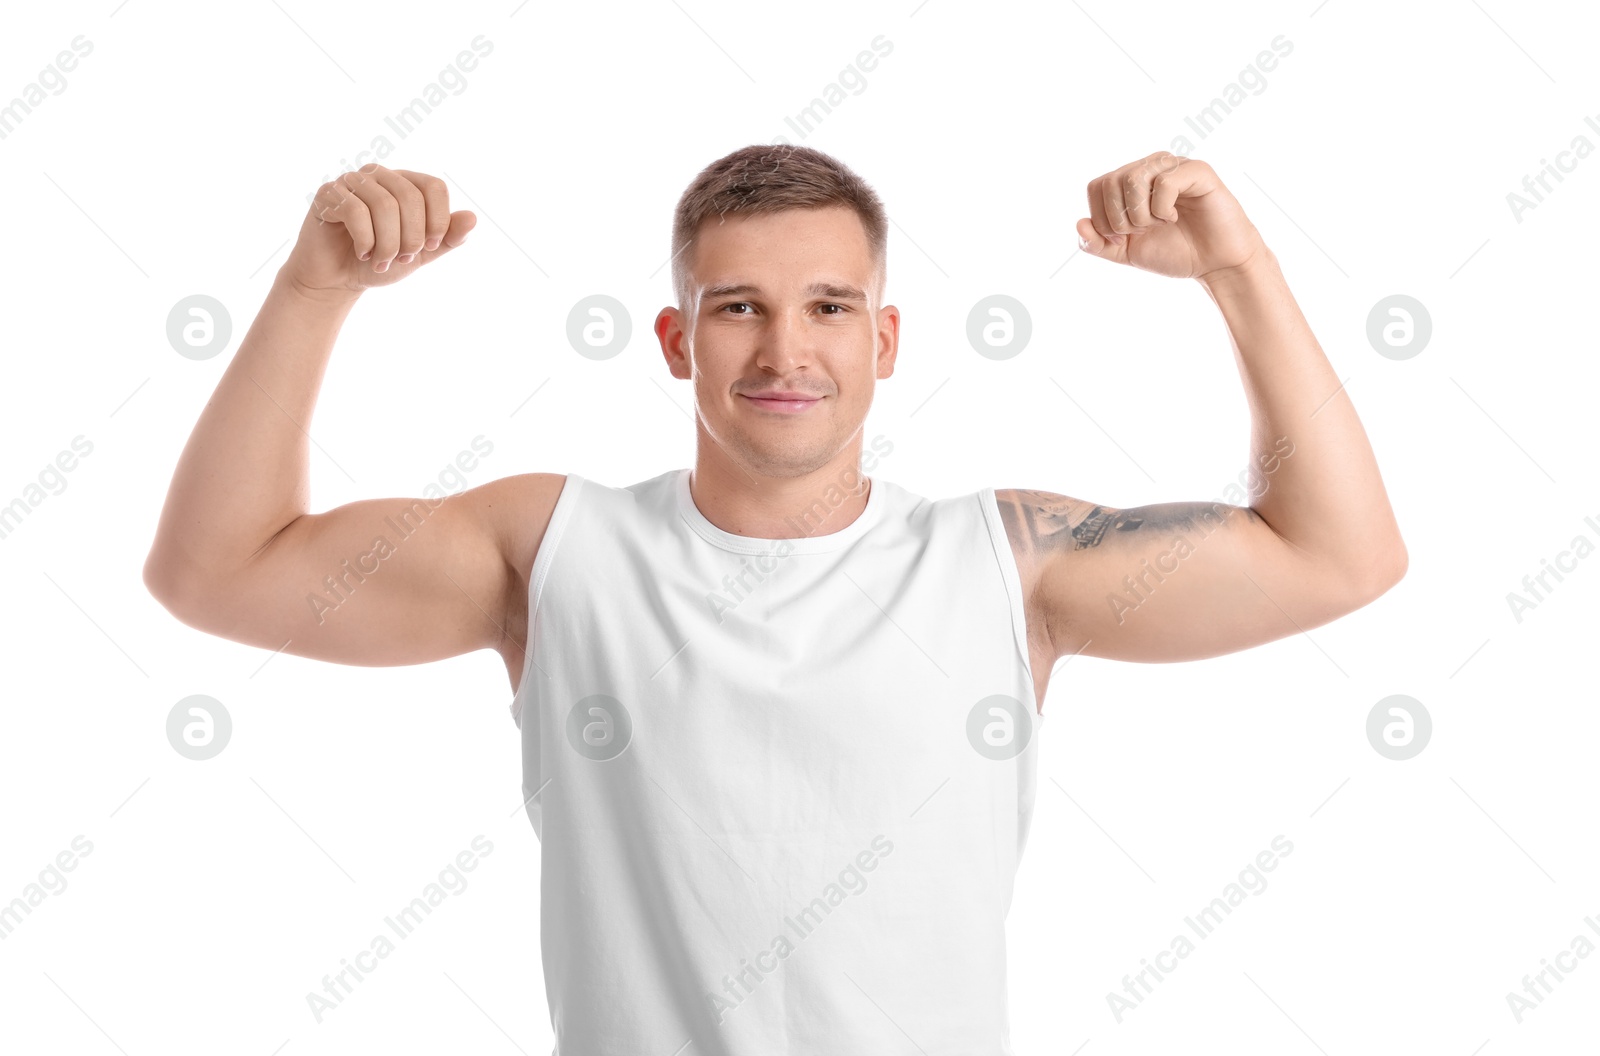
x=782, y=302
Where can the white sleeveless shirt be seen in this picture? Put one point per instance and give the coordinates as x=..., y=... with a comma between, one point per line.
x=781, y=786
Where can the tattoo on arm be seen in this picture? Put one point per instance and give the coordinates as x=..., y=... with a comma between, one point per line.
x=1093, y=528
x=1042, y=520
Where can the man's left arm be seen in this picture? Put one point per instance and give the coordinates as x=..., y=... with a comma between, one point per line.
x=1185, y=580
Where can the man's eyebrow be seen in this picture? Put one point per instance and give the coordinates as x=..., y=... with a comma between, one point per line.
x=839, y=291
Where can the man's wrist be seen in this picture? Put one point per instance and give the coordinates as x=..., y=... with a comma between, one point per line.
x=1260, y=264
x=321, y=297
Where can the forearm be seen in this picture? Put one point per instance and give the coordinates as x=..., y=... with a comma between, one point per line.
x=244, y=473
x=1326, y=498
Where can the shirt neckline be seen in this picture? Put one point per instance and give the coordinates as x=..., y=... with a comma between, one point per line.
x=805, y=544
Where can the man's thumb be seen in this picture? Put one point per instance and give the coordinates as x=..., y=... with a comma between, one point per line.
x=1089, y=240
x=461, y=223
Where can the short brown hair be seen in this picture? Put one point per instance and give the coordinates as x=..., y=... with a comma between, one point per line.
x=767, y=179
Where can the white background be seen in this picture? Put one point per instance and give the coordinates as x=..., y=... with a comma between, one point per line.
x=1377, y=160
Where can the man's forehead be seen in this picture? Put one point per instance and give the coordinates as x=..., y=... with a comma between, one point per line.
x=782, y=262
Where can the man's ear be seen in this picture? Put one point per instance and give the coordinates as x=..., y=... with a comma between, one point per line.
x=674, y=342
x=888, y=340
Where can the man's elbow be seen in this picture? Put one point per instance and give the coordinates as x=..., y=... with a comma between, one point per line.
x=174, y=587
x=1378, y=575
x=157, y=575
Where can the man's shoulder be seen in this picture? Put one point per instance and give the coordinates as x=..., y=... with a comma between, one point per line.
x=517, y=510
x=522, y=507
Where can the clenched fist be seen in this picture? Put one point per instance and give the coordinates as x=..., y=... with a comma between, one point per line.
x=373, y=227
x=1170, y=215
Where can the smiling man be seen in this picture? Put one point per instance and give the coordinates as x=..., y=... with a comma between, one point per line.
x=792, y=824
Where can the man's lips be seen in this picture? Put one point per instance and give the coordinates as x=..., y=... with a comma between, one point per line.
x=784, y=400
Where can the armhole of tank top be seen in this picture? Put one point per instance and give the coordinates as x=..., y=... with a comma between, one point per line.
x=1001, y=543
x=560, y=514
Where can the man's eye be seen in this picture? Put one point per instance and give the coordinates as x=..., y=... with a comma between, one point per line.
x=841, y=309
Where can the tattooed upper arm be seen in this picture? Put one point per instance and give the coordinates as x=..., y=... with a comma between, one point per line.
x=1040, y=521
x=1169, y=581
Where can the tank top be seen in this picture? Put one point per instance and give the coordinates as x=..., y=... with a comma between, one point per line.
x=781, y=786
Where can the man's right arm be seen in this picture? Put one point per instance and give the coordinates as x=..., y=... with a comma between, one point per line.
x=375, y=582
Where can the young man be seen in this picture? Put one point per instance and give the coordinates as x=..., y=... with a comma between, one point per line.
x=779, y=717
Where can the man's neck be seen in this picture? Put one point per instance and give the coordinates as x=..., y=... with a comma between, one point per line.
x=742, y=502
